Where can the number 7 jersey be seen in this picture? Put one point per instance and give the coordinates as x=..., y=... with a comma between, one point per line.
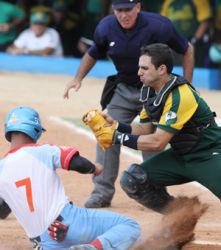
x=30, y=185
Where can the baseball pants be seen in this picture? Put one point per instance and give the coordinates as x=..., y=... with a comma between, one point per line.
x=167, y=169
x=115, y=231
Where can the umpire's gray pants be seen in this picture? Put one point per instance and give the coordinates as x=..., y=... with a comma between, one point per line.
x=124, y=107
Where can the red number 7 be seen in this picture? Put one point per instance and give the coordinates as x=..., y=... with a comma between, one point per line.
x=27, y=183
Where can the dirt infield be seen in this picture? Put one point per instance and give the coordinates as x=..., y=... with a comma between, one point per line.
x=44, y=93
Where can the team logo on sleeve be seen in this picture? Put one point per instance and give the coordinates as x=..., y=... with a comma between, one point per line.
x=170, y=118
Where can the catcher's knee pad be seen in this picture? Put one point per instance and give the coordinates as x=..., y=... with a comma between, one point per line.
x=135, y=183
x=4, y=209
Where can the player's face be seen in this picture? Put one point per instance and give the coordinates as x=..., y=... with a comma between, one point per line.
x=149, y=75
x=127, y=17
x=38, y=29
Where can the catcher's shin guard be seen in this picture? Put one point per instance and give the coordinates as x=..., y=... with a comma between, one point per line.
x=4, y=209
x=135, y=183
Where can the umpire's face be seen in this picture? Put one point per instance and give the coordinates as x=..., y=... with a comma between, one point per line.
x=127, y=17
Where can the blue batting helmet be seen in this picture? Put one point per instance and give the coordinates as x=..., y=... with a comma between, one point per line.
x=25, y=120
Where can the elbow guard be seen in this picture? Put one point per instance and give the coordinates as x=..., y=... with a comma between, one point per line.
x=81, y=165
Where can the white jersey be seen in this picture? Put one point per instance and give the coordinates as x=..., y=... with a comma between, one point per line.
x=31, y=187
x=49, y=39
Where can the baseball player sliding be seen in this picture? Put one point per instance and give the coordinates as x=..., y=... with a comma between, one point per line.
x=33, y=191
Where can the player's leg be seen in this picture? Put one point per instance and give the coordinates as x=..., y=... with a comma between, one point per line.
x=107, y=227
x=123, y=107
x=146, y=183
x=207, y=171
x=104, y=228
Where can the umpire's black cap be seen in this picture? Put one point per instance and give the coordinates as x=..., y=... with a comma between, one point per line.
x=124, y=4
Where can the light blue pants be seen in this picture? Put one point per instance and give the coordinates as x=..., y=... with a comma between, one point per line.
x=115, y=231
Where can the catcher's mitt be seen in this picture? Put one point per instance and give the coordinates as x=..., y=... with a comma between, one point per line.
x=105, y=136
x=94, y=120
x=103, y=130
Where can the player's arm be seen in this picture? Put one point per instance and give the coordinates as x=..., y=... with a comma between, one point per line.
x=95, y=52
x=43, y=52
x=180, y=44
x=13, y=49
x=143, y=137
x=84, y=166
x=86, y=64
x=155, y=142
x=109, y=131
x=141, y=129
x=4, y=209
x=70, y=159
x=188, y=63
x=185, y=105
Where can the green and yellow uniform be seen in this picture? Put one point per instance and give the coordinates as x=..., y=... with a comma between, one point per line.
x=195, y=153
x=186, y=16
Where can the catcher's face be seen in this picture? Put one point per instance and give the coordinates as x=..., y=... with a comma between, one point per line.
x=149, y=74
x=127, y=17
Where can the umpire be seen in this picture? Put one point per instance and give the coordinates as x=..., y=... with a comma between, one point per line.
x=120, y=36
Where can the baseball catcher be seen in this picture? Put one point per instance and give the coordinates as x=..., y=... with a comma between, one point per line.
x=173, y=114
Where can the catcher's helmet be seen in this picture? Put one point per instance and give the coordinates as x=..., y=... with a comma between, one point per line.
x=25, y=120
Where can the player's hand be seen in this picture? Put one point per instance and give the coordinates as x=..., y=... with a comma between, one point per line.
x=99, y=169
x=15, y=51
x=57, y=230
x=74, y=84
x=4, y=27
x=109, y=120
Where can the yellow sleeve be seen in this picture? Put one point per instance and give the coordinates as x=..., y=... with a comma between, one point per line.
x=179, y=108
x=143, y=116
x=164, y=8
x=218, y=17
x=203, y=9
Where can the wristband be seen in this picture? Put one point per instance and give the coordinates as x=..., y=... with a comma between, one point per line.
x=125, y=139
x=124, y=128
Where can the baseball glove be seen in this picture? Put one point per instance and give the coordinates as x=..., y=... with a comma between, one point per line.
x=103, y=131
x=94, y=120
x=105, y=136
